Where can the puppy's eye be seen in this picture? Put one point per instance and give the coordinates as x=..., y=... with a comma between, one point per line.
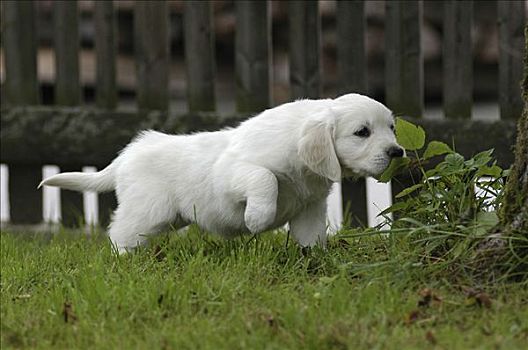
x=363, y=132
x=392, y=128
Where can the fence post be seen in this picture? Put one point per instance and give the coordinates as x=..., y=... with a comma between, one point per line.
x=66, y=37
x=511, y=19
x=199, y=55
x=457, y=59
x=403, y=58
x=253, y=55
x=352, y=77
x=105, y=51
x=21, y=88
x=305, y=49
x=151, y=41
x=106, y=89
x=68, y=90
x=351, y=54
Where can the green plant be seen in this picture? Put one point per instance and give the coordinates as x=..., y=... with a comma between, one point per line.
x=453, y=201
x=454, y=191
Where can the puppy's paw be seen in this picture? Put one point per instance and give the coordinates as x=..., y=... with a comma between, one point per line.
x=259, y=218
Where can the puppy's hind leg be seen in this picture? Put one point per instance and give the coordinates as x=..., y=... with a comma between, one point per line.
x=309, y=226
x=260, y=188
x=132, y=224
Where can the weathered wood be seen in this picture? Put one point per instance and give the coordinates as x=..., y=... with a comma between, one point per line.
x=457, y=59
x=253, y=55
x=403, y=58
x=199, y=55
x=351, y=53
x=107, y=205
x=21, y=88
x=105, y=50
x=72, y=205
x=68, y=89
x=84, y=136
x=25, y=201
x=20, y=52
x=512, y=20
x=354, y=193
x=305, y=49
x=151, y=41
x=106, y=90
x=66, y=40
x=93, y=137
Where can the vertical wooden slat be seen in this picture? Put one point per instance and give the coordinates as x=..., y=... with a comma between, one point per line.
x=151, y=41
x=199, y=55
x=107, y=204
x=25, y=201
x=66, y=37
x=305, y=49
x=105, y=50
x=106, y=89
x=67, y=89
x=351, y=54
x=403, y=58
x=512, y=19
x=21, y=88
x=457, y=59
x=253, y=55
x=354, y=194
x=19, y=40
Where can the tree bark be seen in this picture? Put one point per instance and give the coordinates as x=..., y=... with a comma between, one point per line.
x=506, y=249
x=514, y=213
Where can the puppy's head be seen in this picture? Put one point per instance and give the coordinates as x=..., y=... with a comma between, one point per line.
x=353, y=137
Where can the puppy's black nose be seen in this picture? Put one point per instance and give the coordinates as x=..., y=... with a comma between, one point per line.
x=395, y=152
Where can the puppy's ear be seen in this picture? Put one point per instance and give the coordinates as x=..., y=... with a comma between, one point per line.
x=316, y=149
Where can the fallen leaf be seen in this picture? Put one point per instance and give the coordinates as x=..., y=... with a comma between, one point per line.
x=412, y=317
x=428, y=296
x=476, y=297
x=67, y=312
x=430, y=337
x=159, y=254
x=483, y=299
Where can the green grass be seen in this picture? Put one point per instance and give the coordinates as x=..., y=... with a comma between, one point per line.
x=197, y=292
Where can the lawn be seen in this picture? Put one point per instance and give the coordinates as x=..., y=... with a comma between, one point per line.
x=194, y=291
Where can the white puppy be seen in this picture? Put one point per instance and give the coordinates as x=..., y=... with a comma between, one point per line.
x=274, y=168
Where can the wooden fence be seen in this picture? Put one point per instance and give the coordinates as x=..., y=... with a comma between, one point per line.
x=72, y=135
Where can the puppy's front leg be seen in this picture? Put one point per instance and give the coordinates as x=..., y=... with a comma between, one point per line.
x=309, y=226
x=260, y=188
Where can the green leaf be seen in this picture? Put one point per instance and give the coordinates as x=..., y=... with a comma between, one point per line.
x=487, y=218
x=395, y=166
x=395, y=207
x=408, y=190
x=481, y=158
x=436, y=148
x=409, y=136
x=493, y=171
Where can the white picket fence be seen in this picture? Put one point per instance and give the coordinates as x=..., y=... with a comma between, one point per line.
x=378, y=198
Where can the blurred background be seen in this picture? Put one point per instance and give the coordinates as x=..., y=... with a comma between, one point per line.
x=484, y=36
x=58, y=131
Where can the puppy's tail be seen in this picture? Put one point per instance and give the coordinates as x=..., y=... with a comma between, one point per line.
x=102, y=181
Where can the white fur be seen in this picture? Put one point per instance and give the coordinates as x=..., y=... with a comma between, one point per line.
x=274, y=168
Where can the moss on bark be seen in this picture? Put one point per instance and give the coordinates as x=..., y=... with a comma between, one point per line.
x=514, y=213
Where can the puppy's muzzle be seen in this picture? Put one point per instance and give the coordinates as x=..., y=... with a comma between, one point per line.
x=395, y=152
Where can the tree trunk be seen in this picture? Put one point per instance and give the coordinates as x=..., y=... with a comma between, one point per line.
x=506, y=249
x=514, y=214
